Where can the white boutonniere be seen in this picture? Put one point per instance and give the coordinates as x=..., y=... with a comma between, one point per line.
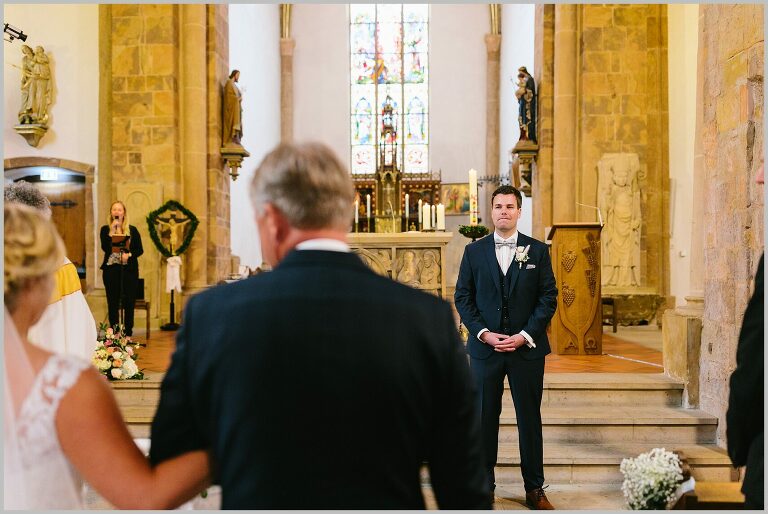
x=521, y=255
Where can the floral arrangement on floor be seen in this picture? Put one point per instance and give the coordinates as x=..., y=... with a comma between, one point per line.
x=651, y=479
x=116, y=354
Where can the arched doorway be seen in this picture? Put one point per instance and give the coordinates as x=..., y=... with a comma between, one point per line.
x=68, y=186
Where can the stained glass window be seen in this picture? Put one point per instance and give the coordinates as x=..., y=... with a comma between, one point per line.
x=389, y=62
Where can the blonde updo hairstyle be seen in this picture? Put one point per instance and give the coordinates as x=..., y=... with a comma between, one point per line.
x=33, y=249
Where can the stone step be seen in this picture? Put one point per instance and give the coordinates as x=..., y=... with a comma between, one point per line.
x=588, y=424
x=609, y=389
x=599, y=464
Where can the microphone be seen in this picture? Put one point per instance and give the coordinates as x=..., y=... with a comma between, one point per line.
x=599, y=215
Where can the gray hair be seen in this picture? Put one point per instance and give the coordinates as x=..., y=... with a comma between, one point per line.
x=307, y=183
x=25, y=193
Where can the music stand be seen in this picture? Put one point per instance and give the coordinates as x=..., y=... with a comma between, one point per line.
x=121, y=245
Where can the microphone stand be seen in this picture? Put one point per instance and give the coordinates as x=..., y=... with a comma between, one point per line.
x=172, y=325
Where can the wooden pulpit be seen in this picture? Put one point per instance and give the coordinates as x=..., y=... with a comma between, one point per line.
x=577, y=326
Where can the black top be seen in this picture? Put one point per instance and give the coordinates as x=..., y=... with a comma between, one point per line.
x=135, y=247
x=322, y=385
x=744, y=419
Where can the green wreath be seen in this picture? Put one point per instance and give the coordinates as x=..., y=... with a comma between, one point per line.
x=152, y=220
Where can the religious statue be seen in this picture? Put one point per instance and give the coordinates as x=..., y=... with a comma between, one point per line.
x=232, y=120
x=27, y=65
x=41, y=86
x=173, y=226
x=408, y=272
x=526, y=99
x=430, y=271
x=620, y=202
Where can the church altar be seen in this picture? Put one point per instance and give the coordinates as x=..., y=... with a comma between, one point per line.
x=413, y=258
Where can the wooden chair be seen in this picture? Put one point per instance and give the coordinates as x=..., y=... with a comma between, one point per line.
x=141, y=303
x=611, y=302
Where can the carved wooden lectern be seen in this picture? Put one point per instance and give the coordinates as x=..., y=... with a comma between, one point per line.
x=577, y=324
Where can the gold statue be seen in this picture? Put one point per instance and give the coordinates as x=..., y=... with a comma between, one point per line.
x=27, y=65
x=232, y=124
x=41, y=87
x=173, y=225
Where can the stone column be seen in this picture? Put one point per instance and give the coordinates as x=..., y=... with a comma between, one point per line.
x=565, y=126
x=287, y=46
x=194, y=183
x=492, y=77
x=541, y=186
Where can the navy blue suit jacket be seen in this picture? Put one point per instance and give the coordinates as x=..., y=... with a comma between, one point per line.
x=532, y=296
x=322, y=385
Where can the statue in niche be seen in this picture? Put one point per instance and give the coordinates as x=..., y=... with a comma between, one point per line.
x=41, y=86
x=27, y=66
x=526, y=100
x=430, y=271
x=408, y=270
x=232, y=119
x=620, y=201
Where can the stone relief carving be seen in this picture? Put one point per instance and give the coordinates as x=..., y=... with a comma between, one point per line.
x=408, y=268
x=619, y=200
x=430, y=271
x=378, y=260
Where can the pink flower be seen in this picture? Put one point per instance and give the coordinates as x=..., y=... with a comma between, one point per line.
x=129, y=350
x=110, y=331
x=107, y=343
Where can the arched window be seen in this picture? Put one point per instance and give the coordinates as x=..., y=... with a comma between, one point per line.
x=389, y=45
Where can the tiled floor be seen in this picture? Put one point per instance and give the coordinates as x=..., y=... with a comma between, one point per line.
x=630, y=350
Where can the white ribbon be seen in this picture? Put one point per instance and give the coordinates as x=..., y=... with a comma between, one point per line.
x=173, y=275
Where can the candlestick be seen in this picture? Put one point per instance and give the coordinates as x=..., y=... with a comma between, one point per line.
x=420, y=213
x=473, y=196
x=407, y=211
x=440, y=216
x=357, y=207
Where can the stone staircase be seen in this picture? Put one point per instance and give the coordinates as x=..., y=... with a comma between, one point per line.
x=591, y=422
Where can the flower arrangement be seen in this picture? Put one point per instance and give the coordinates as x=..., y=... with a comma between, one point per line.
x=116, y=354
x=651, y=479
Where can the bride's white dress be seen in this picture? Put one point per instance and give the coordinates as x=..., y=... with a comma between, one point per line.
x=40, y=453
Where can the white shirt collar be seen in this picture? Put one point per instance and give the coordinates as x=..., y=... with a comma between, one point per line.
x=498, y=239
x=328, y=245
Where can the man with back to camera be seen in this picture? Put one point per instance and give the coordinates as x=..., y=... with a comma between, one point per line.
x=320, y=385
x=506, y=295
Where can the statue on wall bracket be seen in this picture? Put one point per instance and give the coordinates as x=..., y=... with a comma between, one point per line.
x=526, y=150
x=232, y=150
x=36, y=94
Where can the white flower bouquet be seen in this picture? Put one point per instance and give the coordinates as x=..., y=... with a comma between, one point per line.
x=115, y=354
x=651, y=479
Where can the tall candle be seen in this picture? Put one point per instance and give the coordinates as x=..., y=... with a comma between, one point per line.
x=420, y=213
x=356, y=211
x=472, y=197
x=426, y=216
x=440, y=216
x=368, y=206
x=433, y=221
x=407, y=212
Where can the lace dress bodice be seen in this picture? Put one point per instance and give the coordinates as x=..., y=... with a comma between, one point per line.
x=40, y=450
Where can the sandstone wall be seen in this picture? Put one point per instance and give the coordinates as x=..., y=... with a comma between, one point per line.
x=732, y=41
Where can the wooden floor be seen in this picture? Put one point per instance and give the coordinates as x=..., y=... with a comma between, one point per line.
x=619, y=356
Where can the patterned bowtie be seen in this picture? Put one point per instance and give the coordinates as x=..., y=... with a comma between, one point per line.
x=506, y=243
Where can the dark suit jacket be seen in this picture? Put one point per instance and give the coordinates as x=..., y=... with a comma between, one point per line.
x=532, y=295
x=323, y=385
x=135, y=247
x=744, y=419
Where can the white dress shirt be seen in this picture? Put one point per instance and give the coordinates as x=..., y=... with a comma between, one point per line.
x=326, y=245
x=504, y=256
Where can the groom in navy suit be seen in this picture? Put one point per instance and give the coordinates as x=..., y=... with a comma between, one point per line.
x=506, y=295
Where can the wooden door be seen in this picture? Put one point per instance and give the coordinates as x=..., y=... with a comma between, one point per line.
x=68, y=208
